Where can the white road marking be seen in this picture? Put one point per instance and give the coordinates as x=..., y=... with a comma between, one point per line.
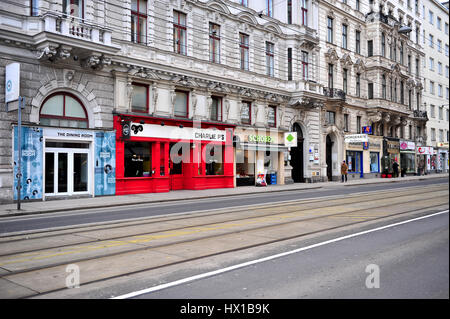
x=257, y=261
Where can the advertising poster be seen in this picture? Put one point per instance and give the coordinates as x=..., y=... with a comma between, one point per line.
x=32, y=162
x=105, y=163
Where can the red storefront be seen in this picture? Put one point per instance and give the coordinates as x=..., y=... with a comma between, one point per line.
x=159, y=155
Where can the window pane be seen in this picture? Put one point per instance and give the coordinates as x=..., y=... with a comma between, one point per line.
x=139, y=99
x=53, y=106
x=73, y=108
x=180, y=107
x=142, y=30
x=143, y=6
x=137, y=159
x=245, y=113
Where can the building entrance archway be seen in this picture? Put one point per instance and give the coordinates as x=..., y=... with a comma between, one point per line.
x=297, y=156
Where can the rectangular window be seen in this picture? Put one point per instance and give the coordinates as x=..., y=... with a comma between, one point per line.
x=417, y=67
x=330, y=30
x=137, y=159
x=34, y=8
x=305, y=66
x=374, y=162
x=269, y=4
x=432, y=111
x=431, y=62
x=383, y=86
x=439, y=45
x=139, y=99
x=409, y=63
x=305, y=12
x=272, y=116
x=139, y=21
x=181, y=104
x=433, y=134
x=446, y=71
x=417, y=35
x=402, y=93
x=383, y=45
x=358, y=85
x=438, y=23
x=370, y=90
x=446, y=49
x=244, y=48
x=441, y=112
x=346, y=122
x=344, y=36
x=440, y=68
x=370, y=48
x=430, y=17
x=431, y=41
x=357, y=7
x=440, y=90
x=344, y=80
x=270, y=59
x=289, y=56
x=358, y=41
x=244, y=3
x=179, y=33
x=214, y=159
x=330, y=76
x=401, y=52
x=354, y=161
x=431, y=87
x=330, y=117
x=358, y=124
x=216, y=108
x=246, y=113
x=289, y=11
x=446, y=28
x=214, y=43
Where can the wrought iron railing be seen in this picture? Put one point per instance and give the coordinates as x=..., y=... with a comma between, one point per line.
x=334, y=93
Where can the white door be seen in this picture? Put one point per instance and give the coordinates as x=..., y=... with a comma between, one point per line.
x=66, y=171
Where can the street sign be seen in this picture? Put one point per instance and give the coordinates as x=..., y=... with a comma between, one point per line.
x=12, y=82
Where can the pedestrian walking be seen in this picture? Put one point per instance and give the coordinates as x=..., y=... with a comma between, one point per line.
x=344, y=171
x=395, y=168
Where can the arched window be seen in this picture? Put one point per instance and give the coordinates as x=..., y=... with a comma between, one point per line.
x=64, y=110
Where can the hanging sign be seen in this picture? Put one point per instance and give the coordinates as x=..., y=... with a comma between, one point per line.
x=290, y=139
x=12, y=83
x=356, y=138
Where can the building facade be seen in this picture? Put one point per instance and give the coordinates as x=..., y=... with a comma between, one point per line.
x=436, y=87
x=144, y=96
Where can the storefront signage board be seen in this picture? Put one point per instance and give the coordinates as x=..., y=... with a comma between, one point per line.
x=68, y=134
x=178, y=133
x=407, y=145
x=425, y=150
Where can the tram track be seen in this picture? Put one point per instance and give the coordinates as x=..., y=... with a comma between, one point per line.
x=309, y=203
x=406, y=202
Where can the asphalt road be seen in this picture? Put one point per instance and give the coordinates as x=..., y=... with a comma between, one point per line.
x=37, y=222
x=412, y=259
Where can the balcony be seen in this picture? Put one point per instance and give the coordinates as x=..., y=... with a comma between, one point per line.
x=421, y=115
x=61, y=29
x=334, y=93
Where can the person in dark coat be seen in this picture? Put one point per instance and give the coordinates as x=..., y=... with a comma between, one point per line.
x=344, y=171
x=395, y=168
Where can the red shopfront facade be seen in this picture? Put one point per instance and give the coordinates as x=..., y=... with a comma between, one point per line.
x=155, y=155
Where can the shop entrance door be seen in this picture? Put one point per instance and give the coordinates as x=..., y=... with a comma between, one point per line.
x=329, y=158
x=66, y=170
x=176, y=166
x=297, y=157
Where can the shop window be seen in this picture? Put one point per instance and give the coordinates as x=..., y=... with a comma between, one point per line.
x=63, y=110
x=177, y=153
x=246, y=113
x=181, y=104
x=245, y=167
x=137, y=159
x=354, y=161
x=139, y=99
x=374, y=162
x=214, y=159
x=408, y=162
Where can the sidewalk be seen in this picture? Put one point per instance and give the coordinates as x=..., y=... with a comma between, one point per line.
x=113, y=201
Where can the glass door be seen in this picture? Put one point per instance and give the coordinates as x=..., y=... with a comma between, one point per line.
x=66, y=171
